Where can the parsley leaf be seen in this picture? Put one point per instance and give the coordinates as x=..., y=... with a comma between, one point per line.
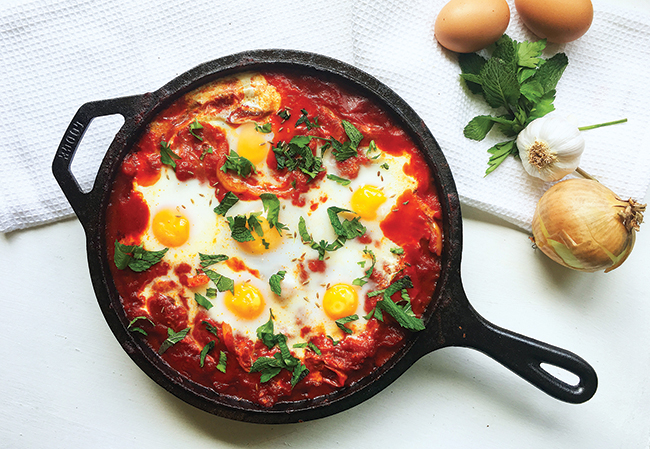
x=228, y=201
x=136, y=257
x=341, y=322
x=222, y=282
x=275, y=280
x=167, y=156
x=211, y=259
x=204, y=352
x=240, y=165
x=193, y=127
x=172, y=339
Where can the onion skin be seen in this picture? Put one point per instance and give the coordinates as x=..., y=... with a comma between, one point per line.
x=583, y=225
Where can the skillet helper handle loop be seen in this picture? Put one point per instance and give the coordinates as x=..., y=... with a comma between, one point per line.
x=525, y=356
x=125, y=106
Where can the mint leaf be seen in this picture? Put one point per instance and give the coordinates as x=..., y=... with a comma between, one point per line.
x=211, y=259
x=271, y=205
x=131, y=326
x=202, y=301
x=210, y=328
x=500, y=84
x=204, y=352
x=221, y=366
x=167, y=156
x=339, y=180
x=364, y=279
x=275, y=281
x=265, y=128
x=228, y=201
x=341, y=322
x=222, y=282
x=136, y=257
x=172, y=339
x=193, y=127
x=240, y=165
x=471, y=65
x=353, y=134
x=284, y=114
x=551, y=71
x=238, y=229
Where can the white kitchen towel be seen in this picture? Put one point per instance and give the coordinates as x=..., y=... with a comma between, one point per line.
x=604, y=81
x=57, y=55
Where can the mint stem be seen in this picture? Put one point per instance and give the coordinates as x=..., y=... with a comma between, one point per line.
x=600, y=125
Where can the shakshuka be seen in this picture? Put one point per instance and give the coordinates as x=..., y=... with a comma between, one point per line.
x=274, y=236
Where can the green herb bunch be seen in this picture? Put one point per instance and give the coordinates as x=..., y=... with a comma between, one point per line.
x=518, y=83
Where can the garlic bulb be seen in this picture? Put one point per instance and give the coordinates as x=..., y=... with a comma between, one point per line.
x=550, y=148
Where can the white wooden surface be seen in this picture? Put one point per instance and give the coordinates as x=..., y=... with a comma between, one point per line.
x=65, y=382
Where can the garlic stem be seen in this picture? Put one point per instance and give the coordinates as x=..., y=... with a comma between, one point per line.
x=584, y=174
x=600, y=125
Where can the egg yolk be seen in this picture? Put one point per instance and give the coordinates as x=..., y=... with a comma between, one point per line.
x=366, y=200
x=340, y=300
x=252, y=144
x=170, y=228
x=247, y=302
x=270, y=240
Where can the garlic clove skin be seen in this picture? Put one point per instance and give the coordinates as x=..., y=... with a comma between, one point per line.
x=550, y=148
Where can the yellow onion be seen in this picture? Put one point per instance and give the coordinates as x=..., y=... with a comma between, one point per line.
x=581, y=224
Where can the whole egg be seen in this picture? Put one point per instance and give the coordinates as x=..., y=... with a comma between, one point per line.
x=558, y=21
x=466, y=26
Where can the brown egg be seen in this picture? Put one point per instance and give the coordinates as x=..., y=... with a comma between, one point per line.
x=465, y=26
x=558, y=21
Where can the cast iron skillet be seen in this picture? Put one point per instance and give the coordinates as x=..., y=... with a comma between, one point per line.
x=450, y=319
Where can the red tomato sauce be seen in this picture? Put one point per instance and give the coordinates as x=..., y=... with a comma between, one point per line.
x=413, y=224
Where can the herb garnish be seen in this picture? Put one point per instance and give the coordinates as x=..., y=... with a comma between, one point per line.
x=397, y=250
x=297, y=155
x=344, y=182
x=211, y=259
x=271, y=205
x=373, y=152
x=347, y=230
x=203, y=301
x=208, y=150
x=193, y=127
x=284, y=114
x=240, y=165
x=516, y=81
x=275, y=280
x=172, y=339
x=136, y=257
x=271, y=366
x=167, y=156
x=305, y=119
x=222, y=282
x=221, y=366
x=131, y=326
x=228, y=201
x=265, y=128
x=364, y=279
x=204, y=352
x=347, y=149
x=238, y=229
x=401, y=310
x=211, y=328
x=341, y=322
x=308, y=345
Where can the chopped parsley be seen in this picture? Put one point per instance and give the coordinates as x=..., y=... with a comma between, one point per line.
x=136, y=257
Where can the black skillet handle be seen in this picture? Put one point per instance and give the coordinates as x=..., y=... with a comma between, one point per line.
x=524, y=356
x=125, y=106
